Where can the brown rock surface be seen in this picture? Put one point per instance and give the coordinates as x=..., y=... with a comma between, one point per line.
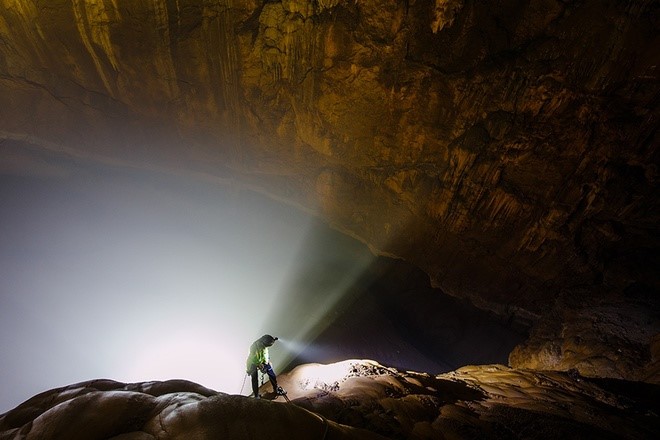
x=174, y=409
x=354, y=399
x=507, y=148
x=610, y=337
x=488, y=401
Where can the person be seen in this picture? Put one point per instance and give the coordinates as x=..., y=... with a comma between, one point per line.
x=258, y=360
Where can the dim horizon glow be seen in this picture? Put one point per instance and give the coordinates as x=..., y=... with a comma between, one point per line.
x=133, y=279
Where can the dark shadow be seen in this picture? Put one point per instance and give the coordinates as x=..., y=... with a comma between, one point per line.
x=394, y=316
x=446, y=391
x=637, y=397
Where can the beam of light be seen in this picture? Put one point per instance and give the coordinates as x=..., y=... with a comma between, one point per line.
x=323, y=280
x=293, y=348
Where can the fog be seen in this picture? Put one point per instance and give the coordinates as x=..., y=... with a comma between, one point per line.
x=133, y=277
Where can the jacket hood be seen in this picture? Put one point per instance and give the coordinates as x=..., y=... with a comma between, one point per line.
x=267, y=340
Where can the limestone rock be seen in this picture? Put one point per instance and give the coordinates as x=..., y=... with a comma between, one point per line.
x=165, y=410
x=610, y=338
x=487, y=401
x=353, y=399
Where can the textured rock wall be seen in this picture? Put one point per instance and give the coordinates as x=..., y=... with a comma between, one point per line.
x=508, y=148
x=607, y=337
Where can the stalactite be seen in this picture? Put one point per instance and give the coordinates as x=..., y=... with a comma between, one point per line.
x=163, y=56
x=92, y=20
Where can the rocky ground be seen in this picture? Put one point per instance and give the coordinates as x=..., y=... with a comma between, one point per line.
x=350, y=399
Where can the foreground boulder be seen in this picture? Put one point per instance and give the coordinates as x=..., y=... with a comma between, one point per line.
x=178, y=409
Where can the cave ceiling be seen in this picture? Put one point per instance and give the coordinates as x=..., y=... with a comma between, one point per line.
x=507, y=148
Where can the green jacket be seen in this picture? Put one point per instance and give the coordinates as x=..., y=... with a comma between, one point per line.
x=258, y=356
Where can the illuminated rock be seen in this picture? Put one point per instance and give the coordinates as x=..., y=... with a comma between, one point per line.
x=509, y=151
x=489, y=401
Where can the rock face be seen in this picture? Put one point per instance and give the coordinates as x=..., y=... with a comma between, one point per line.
x=356, y=399
x=609, y=338
x=509, y=148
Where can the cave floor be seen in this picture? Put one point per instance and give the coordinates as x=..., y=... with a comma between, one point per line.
x=352, y=399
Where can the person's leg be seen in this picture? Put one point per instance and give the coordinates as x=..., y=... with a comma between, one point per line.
x=271, y=376
x=255, y=383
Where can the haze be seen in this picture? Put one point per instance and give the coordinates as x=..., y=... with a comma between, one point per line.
x=136, y=277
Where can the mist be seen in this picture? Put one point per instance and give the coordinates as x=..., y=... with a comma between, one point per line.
x=135, y=277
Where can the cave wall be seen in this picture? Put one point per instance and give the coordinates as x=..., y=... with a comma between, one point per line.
x=507, y=148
